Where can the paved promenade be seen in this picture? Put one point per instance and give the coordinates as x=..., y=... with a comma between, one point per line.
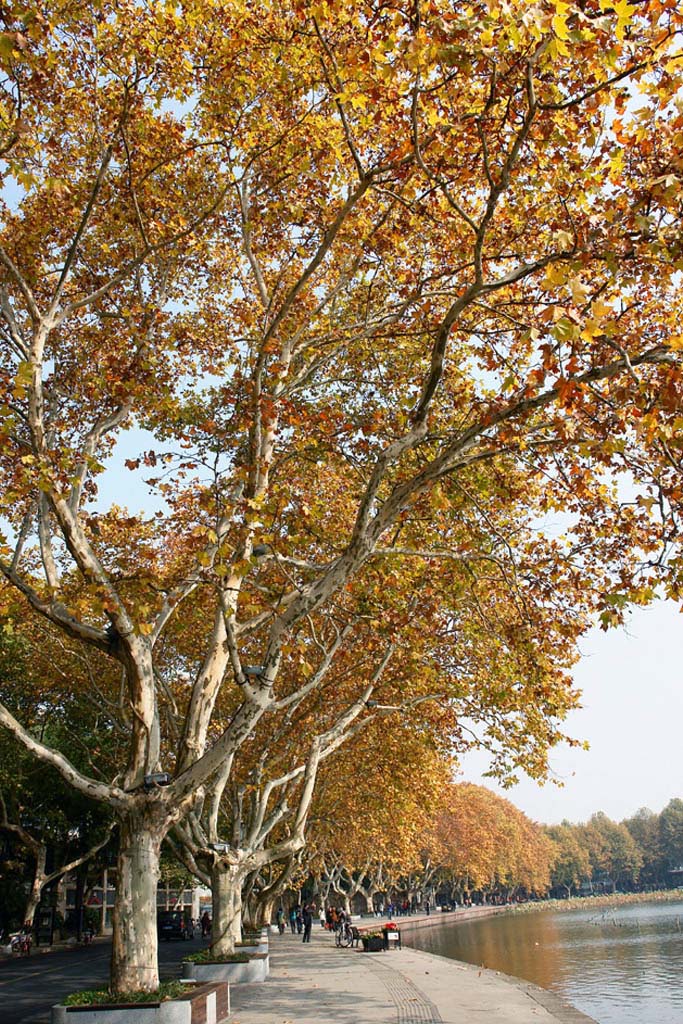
x=320, y=984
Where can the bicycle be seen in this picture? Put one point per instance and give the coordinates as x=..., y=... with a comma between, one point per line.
x=344, y=936
x=21, y=943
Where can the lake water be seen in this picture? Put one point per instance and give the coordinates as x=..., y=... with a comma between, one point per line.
x=621, y=965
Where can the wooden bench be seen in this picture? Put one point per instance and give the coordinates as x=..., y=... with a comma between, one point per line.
x=357, y=936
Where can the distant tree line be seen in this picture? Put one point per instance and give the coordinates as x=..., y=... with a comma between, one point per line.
x=641, y=852
x=476, y=846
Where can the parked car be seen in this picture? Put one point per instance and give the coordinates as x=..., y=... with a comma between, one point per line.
x=175, y=924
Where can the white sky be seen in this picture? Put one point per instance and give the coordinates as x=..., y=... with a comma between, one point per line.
x=632, y=716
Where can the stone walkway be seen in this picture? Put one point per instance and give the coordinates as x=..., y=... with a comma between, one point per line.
x=320, y=984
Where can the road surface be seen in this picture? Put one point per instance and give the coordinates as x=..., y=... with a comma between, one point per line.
x=29, y=986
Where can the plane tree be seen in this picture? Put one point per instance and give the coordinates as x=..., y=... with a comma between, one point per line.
x=490, y=845
x=374, y=807
x=571, y=861
x=357, y=272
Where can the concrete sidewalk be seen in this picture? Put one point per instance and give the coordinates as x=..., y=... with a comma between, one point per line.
x=320, y=984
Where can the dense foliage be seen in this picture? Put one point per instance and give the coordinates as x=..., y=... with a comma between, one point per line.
x=375, y=293
x=641, y=852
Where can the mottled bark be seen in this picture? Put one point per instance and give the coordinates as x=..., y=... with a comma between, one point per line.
x=134, y=961
x=263, y=912
x=36, y=890
x=226, y=896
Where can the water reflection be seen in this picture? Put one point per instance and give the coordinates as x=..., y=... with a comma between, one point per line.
x=620, y=965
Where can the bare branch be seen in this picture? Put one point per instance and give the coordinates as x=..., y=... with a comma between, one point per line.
x=110, y=795
x=19, y=280
x=12, y=325
x=56, y=612
x=76, y=863
x=243, y=193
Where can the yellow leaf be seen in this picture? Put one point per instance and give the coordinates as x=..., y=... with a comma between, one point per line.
x=624, y=13
x=600, y=309
x=579, y=291
x=564, y=239
x=591, y=330
x=555, y=274
x=560, y=27
x=558, y=46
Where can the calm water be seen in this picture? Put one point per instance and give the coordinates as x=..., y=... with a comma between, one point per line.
x=620, y=966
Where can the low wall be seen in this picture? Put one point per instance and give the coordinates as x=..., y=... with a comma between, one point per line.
x=408, y=925
x=203, y=1005
x=256, y=968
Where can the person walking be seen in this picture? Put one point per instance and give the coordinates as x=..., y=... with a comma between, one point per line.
x=307, y=917
x=206, y=924
x=292, y=919
x=280, y=917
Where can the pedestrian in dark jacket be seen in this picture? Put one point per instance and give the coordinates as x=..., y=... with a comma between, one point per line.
x=307, y=916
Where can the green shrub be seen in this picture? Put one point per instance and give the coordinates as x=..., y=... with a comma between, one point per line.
x=103, y=997
x=205, y=956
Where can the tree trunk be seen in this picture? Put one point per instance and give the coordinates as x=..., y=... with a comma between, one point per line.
x=33, y=902
x=36, y=891
x=226, y=898
x=134, y=961
x=249, y=915
x=263, y=912
x=80, y=887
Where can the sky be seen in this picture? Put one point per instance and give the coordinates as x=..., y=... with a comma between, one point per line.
x=632, y=716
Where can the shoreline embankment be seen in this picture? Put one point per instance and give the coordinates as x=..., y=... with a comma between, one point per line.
x=615, y=899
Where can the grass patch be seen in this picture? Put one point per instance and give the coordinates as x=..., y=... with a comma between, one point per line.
x=205, y=956
x=103, y=997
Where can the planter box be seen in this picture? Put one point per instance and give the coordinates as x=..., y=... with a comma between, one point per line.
x=255, y=947
x=255, y=969
x=205, y=1005
x=373, y=943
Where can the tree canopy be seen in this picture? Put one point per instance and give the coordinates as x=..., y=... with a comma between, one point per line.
x=387, y=289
